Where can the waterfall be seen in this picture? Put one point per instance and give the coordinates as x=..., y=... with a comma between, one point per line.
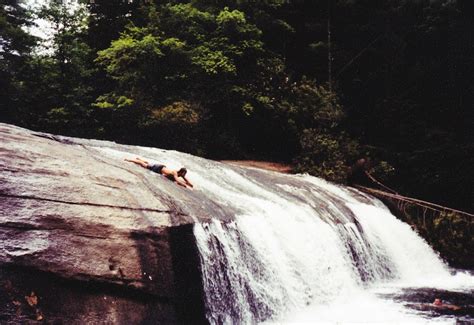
x=295, y=248
x=290, y=247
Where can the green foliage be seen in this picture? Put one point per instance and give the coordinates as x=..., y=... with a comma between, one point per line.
x=175, y=126
x=326, y=155
x=15, y=49
x=57, y=83
x=128, y=51
x=179, y=113
x=110, y=101
x=315, y=114
x=212, y=62
x=449, y=233
x=181, y=53
x=314, y=106
x=187, y=22
x=14, y=40
x=383, y=170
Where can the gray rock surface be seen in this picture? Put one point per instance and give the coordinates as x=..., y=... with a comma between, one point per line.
x=74, y=208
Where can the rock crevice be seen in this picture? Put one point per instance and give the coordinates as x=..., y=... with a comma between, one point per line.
x=83, y=203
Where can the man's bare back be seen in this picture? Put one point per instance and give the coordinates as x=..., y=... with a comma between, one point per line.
x=171, y=174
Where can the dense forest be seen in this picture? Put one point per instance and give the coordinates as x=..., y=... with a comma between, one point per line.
x=318, y=84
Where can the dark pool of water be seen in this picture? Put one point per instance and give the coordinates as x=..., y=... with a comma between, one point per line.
x=458, y=306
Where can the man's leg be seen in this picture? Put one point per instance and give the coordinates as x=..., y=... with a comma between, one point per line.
x=138, y=161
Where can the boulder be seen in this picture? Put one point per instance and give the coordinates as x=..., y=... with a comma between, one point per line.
x=75, y=216
x=100, y=240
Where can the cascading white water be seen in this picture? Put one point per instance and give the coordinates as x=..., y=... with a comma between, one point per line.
x=286, y=248
x=280, y=256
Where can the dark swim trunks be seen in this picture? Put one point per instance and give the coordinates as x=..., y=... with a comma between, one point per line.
x=156, y=168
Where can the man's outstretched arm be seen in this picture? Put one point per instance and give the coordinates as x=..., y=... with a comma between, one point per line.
x=187, y=181
x=178, y=181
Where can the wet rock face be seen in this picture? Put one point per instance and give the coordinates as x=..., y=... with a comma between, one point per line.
x=67, y=210
x=73, y=209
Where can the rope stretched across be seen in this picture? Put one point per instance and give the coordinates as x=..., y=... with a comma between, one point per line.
x=425, y=204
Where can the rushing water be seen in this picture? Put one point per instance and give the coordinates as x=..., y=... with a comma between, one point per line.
x=315, y=253
x=277, y=248
x=285, y=248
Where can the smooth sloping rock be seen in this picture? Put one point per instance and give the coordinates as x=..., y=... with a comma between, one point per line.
x=75, y=209
x=67, y=211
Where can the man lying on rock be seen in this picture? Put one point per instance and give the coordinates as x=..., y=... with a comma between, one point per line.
x=171, y=174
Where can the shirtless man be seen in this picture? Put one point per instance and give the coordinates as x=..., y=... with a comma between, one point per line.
x=171, y=174
x=438, y=303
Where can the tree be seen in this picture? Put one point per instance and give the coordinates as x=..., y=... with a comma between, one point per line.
x=326, y=150
x=15, y=49
x=60, y=78
x=212, y=62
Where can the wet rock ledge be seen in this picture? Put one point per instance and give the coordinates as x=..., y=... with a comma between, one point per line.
x=92, y=238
